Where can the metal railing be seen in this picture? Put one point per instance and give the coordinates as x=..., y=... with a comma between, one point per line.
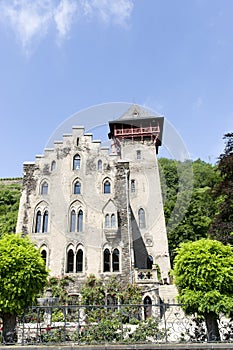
x=93, y=324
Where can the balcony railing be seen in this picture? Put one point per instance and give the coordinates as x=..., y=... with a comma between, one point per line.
x=146, y=276
x=137, y=131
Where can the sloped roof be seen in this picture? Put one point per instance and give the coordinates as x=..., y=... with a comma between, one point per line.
x=137, y=112
x=137, y=116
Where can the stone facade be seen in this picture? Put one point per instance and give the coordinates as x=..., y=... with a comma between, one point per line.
x=92, y=210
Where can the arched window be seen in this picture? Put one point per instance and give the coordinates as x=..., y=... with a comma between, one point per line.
x=44, y=188
x=44, y=256
x=79, y=261
x=107, y=220
x=139, y=154
x=113, y=220
x=141, y=218
x=77, y=188
x=106, y=260
x=115, y=260
x=100, y=165
x=70, y=261
x=149, y=262
x=147, y=307
x=107, y=186
x=76, y=162
x=53, y=165
x=80, y=220
x=72, y=220
x=132, y=186
x=38, y=221
x=45, y=221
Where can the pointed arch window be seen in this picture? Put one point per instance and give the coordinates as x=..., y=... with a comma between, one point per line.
x=132, y=186
x=115, y=260
x=80, y=221
x=76, y=162
x=147, y=307
x=107, y=220
x=106, y=260
x=77, y=187
x=38, y=221
x=45, y=221
x=72, y=221
x=44, y=188
x=100, y=165
x=70, y=261
x=53, y=165
x=141, y=218
x=44, y=256
x=113, y=220
x=107, y=186
x=79, y=261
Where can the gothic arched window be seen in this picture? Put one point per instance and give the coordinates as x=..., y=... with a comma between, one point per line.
x=132, y=186
x=107, y=220
x=38, y=221
x=79, y=261
x=72, y=220
x=115, y=260
x=141, y=218
x=100, y=165
x=77, y=188
x=113, y=220
x=44, y=188
x=76, y=162
x=45, y=221
x=106, y=260
x=70, y=261
x=53, y=165
x=44, y=256
x=107, y=186
x=80, y=220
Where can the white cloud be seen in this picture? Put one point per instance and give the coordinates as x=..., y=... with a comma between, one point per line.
x=31, y=20
x=64, y=16
x=116, y=11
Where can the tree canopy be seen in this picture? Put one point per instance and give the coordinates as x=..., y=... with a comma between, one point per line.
x=222, y=224
x=203, y=274
x=23, y=275
x=9, y=204
x=22, y=272
x=188, y=205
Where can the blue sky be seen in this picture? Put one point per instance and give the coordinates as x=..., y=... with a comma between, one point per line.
x=62, y=56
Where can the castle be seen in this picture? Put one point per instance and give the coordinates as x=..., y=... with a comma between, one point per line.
x=91, y=210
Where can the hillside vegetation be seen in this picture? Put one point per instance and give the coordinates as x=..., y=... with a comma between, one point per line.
x=189, y=206
x=9, y=203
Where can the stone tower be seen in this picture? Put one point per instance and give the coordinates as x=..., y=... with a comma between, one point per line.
x=94, y=211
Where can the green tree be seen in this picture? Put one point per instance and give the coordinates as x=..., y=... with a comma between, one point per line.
x=23, y=275
x=198, y=207
x=9, y=204
x=203, y=274
x=222, y=225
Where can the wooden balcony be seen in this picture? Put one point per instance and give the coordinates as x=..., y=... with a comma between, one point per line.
x=150, y=130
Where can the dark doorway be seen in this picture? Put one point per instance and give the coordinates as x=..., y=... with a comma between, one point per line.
x=147, y=308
